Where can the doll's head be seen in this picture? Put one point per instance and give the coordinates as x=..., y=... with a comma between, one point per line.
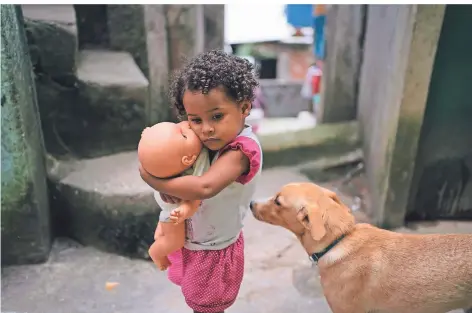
x=167, y=149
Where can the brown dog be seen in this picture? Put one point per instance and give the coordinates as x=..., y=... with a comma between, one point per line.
x=367, y=269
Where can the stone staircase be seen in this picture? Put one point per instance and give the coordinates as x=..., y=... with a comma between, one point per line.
x=90, y=101
x=92, y=104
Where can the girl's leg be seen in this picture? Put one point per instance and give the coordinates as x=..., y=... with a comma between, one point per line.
x=221, y=269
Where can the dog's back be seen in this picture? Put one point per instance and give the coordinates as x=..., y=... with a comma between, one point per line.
x=392, y=272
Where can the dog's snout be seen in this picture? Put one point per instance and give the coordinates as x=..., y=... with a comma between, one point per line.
x=251, y=205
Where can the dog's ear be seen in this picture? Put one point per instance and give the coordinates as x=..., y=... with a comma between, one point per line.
x=338, y=211
x=333, y=196
x=311, y=218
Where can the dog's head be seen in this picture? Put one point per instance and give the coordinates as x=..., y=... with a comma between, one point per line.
x=305, y=207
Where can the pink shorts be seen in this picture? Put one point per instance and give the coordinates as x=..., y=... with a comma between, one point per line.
x=210, y=279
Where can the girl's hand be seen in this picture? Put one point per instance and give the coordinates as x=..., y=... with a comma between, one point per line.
x=169, y=199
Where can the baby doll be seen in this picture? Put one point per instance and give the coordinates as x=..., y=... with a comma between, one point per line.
x=167, y=150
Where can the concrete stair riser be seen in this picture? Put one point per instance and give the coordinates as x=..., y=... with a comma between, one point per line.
x=52, y=38
x=95, y=116
x=110, y=113
x=296, y=147
x=122, y=224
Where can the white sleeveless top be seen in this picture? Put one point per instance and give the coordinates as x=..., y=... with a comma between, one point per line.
x=219, y=220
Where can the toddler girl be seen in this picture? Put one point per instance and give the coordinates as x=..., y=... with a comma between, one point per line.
x=214, y=91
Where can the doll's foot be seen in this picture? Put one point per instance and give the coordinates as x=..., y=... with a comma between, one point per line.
x=162, y=263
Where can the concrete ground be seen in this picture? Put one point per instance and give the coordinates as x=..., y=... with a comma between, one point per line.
x=278, y=276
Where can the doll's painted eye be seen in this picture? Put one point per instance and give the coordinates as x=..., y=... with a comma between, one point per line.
x=183, y=135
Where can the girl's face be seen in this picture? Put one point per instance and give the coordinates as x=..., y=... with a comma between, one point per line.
x=214, y=117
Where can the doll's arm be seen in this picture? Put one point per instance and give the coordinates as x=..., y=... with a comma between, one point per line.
x=184, y=211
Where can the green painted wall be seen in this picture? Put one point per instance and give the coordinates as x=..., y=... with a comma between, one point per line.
x=25, y=209
x=442, y=184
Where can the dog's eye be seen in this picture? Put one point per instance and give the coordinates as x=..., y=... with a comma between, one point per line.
x=276, y=200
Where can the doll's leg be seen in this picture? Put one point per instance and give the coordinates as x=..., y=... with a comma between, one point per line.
x=168, y=238
x=162, y=261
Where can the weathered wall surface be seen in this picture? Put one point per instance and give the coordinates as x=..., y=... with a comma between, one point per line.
x=52, y=38
x=127, y=32
x=442, y=183
x=399, y=51
x=157, y=47
x=344, y=43
x=91, y=21
x=25, y=208
x=214, y=26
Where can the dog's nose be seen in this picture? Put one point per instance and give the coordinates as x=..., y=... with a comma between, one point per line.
x=251, y=205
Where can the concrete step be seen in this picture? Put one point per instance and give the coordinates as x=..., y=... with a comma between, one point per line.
x=107, y=114
x=309, y=144
x=52, y=37
x=103, y=202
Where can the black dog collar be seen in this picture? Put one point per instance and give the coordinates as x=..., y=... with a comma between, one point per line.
x=316, y=256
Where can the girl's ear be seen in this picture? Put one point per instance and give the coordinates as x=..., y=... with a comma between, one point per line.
x=246, y=108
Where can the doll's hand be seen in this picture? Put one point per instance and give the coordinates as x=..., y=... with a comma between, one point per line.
x=178, y=215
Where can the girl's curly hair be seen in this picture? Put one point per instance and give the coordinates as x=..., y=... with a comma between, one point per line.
x=214, y=69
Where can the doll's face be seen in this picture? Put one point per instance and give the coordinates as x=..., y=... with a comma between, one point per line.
x=167, y=149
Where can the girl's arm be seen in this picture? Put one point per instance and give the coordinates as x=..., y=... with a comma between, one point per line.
x=226, y=169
